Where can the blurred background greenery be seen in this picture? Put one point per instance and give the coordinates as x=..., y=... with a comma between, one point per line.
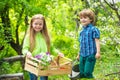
x=63, y=26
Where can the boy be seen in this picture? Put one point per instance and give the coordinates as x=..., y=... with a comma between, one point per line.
x=89, y=44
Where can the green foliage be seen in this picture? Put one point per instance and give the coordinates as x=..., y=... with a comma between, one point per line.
x=66, y=45
x=60, y=17
x=6, y=68
x=2, y=42
x=7, y=50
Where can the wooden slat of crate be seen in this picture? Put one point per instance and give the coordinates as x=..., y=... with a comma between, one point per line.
x=63, y=61
x=32, y=63
x=31, y=69
x=64, y=67
x=53, y=72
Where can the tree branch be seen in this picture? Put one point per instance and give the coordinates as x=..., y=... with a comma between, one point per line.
x=16, y=47
x=17, y=76
x=13, y=59
x=18, y=23
x=113, y=7
x=106, y=10
x=1, y=47
x=112, y=73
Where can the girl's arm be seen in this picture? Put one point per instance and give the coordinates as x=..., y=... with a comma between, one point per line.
x=26, y=47
x=59, y=53
x=97, y=47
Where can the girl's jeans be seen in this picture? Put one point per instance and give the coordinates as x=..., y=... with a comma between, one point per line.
x=34, y=77
x=86, y=66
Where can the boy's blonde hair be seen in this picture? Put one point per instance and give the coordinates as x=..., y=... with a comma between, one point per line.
x=88, y=13
x=44, y=32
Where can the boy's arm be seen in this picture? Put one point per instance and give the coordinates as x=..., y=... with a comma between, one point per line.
x=97, y=47
x=78, y=56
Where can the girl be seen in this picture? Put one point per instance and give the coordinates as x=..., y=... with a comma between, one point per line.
x=36, y=40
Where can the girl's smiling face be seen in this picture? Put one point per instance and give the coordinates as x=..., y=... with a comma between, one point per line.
x=85, y=20
x=37, y=25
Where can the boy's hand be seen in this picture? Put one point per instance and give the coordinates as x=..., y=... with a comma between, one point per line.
x=78, y=57
x=97, y=55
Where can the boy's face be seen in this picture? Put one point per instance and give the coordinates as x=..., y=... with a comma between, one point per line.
x=37, y=25
x=85, y=20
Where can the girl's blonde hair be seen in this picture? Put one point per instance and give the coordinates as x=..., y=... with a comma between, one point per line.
x=44, y=32
x=88, y=13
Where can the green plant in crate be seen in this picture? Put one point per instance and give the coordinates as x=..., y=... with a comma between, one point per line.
x=45, y=59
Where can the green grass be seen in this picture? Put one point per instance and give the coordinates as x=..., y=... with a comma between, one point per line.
x=107, y=66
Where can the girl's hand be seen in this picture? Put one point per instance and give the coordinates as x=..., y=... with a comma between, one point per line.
x=97, y=55
x=61, y=54
x=29, y=54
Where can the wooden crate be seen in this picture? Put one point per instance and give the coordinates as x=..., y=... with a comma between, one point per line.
x=60, y=65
